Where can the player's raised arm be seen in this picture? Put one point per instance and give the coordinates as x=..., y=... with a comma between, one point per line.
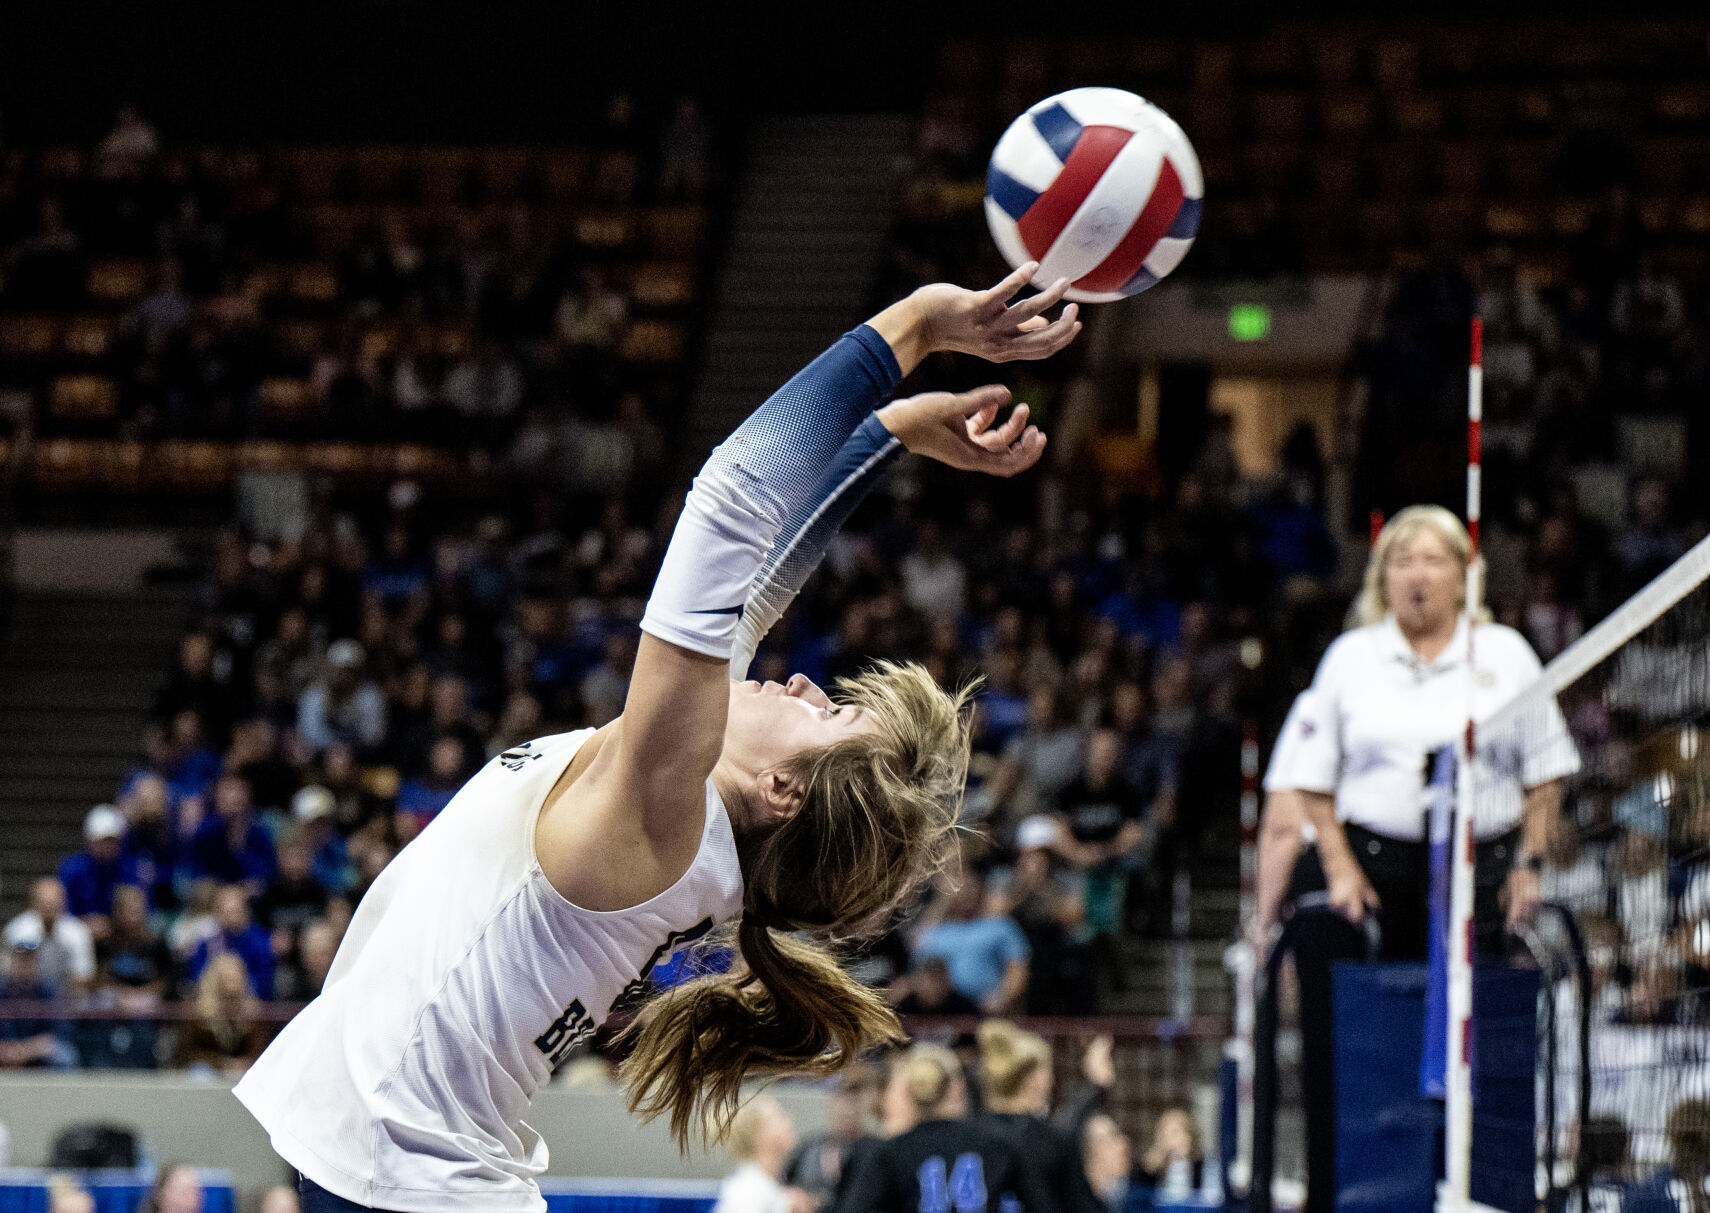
x=673, y=724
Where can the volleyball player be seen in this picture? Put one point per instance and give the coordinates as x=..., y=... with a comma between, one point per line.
x=569, y=866
x=945, y=1163
x=1016, y=1075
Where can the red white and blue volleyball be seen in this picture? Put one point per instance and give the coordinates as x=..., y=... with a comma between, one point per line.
x=1100, y=187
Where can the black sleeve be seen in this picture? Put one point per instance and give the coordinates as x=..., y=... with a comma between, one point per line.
x=861, y=1188
x=793, y=1168
x=1084, y=1101
x=1025, y=1183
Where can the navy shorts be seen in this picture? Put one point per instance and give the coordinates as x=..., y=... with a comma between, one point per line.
x=316, y=1199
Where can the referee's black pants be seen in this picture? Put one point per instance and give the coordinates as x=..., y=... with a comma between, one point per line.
x=1400, y=874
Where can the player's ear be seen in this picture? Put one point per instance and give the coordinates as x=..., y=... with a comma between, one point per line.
x=780, y=798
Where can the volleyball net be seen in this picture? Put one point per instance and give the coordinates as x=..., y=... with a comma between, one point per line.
x=1622, y=937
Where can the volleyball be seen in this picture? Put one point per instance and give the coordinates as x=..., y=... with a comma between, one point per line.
x=1100, y=187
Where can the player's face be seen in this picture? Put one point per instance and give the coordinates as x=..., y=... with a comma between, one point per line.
x=1424, y=581
x=769, y=722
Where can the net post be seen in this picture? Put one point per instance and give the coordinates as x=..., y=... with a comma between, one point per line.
x=1457, y=1143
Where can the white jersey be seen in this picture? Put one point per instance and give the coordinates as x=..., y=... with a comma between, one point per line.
x=464, y=978
x=1378, y=711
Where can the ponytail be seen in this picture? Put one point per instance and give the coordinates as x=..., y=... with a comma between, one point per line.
x=878, y=811
x=790, y=1009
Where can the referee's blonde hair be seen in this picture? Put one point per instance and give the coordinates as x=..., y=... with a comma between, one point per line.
x=878, y=813
x=1373, y=605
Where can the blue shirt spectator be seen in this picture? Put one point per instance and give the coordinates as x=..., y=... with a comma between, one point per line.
x=240, y=937
x=986, y=953
x=91, y=875
x=231, y=845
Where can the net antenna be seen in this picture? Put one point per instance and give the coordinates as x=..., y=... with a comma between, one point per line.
x=1457, y=1112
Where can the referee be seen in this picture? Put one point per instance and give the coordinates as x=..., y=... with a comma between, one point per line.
x=1387, y=694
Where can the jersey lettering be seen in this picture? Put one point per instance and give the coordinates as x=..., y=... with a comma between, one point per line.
x=567, y=1031
x=519, y=756
x=960, y=1188
x=576, y=1025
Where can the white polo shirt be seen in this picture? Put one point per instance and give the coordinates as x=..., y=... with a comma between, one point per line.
x=1378, y=710
x=1286, y=768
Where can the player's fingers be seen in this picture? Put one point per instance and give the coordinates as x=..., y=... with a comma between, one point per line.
x=1012, y=428
x=1033, y=325
x=1046, y=299
x=1004, y=291
x=1048, y=340
x=978, y=425
x=970, y=404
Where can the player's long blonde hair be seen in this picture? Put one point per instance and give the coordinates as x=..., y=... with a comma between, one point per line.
x=1373, y=605
x=878, y=811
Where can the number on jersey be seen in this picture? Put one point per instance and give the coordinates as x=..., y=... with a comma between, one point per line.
x=954, y=1189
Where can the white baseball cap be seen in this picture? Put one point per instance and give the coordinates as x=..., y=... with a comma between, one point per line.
x=104, y=821
x=311, y=802
x=1035, y=831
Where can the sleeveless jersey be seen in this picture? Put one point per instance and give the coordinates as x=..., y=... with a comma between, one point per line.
x=463, y=979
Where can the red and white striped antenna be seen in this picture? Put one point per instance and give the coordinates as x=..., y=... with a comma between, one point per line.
x=1457, y=1163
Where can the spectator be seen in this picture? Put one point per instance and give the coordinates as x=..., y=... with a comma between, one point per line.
x=1044, y=894
x=342, y=705
x=761, y=1140
x=293, y=898
x=934, y=582
x=254, y=754
x=421, y=800
x=231, y=845
x=985, y=951
x=28, y=1043
x=450, y=715
x=198, y=685
x=329, y=863
x=303, y=976
x=238, y=937
x=129, y=148
x=1650, y=542
x=1107, y=1157
x=177, y=1189
x=1109, y=834
x=197, y=922
x=1174, y=1164
x=46, y=269
x=817, y=1165
x=685, y=152
x=91, y=875
x=188, y=763
x=67, y=950
x=225, y=1034
x=1043, y=760
x=151, y=838
x=928, y=991
x=133, y=960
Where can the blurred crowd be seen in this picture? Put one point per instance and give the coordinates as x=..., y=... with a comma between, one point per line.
x=467, y=305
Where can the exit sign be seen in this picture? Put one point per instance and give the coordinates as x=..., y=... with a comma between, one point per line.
x=1249, y=322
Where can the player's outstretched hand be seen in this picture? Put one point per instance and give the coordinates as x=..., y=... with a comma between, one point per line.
x=957, y=428
x=987, y=324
